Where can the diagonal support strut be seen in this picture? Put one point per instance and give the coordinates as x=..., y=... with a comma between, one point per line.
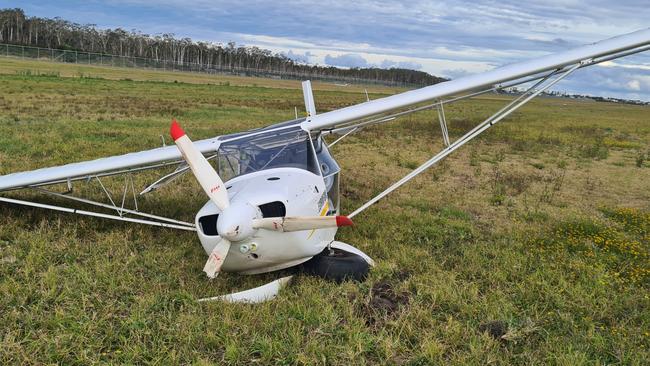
x=531, y=93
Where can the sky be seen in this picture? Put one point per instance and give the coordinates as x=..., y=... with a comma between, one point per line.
x=444, y=38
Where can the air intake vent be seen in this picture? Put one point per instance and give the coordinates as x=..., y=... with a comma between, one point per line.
x=273, y=209
x=209, y=225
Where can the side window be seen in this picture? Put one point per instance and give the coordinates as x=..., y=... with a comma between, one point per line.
x=330, y=170
x=228, y=165
x=332, y=186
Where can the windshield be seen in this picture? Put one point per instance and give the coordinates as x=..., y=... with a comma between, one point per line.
x=273, y=149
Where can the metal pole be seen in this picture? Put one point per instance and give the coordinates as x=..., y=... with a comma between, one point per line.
x=443, y=124
x=95, y=214
x=342, y=137
x=112, y=207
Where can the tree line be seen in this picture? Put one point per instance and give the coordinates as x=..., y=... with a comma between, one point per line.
x=20, y=29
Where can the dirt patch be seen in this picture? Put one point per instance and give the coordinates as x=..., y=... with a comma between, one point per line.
x=384, y=303
x=496, y=328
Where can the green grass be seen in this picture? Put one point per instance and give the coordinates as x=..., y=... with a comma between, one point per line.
x=529, y=246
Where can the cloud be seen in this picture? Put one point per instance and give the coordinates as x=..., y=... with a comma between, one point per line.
x=390, y=64
x=299, y=57
x=456, y=73
x=608, y=81
x=634, y=85
x=639, y=67
x=446, y=37
x=346, y=60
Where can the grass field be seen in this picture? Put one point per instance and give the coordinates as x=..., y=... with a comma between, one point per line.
x=529, y=246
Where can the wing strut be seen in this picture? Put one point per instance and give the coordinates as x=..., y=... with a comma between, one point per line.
x=96, y=214
x=443, y=124
x=531, y=93
x=121, y=211
x=309, y=98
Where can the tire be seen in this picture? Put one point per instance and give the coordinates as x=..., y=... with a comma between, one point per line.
x=337, y=265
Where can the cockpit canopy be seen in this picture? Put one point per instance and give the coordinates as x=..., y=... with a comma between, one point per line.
x=278, y=146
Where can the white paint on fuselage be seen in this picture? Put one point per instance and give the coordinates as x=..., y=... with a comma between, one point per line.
x=301, y=192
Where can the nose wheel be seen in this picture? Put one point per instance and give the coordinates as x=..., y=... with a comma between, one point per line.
x=337, y=265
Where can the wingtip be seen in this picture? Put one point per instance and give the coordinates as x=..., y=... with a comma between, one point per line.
x=343, y=221
x=176, y=131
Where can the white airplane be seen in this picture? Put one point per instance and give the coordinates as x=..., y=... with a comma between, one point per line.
x=280, y=206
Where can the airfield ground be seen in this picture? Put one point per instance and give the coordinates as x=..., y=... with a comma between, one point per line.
x=529, y=246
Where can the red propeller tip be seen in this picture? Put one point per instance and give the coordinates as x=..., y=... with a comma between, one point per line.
x=176, y=130
x=343, y=221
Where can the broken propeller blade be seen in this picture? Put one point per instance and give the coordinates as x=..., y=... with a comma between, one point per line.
x=297, y=223
x=217, y=257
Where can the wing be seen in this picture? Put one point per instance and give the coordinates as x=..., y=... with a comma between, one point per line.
x=126, y=163
x=91, y=171
x=507, y=76
x=106, y=166
x=114, y=165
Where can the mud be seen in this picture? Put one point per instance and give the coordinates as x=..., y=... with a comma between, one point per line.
x=496, y=329
x=384, y=303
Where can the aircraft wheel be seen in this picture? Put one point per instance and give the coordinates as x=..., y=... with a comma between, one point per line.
x=337, y=265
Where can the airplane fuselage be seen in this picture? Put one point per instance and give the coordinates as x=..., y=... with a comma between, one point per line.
x=272, y=192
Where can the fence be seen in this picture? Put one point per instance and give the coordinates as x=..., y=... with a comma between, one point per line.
x=90, y=58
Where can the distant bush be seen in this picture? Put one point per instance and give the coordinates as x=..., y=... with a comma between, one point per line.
x=640, y=158
x=597, y=150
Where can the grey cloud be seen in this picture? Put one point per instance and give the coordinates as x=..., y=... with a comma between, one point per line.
x=299, y=57
x=388, y=64
x=455, y=73
x=609, y=81
x=346, y=60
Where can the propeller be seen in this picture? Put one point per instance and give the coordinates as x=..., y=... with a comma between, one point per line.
x=239, y=221
x=213, y=187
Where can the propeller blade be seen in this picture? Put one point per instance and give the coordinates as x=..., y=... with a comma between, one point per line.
x=298, y=223
x=203, y=171
x=216, y=259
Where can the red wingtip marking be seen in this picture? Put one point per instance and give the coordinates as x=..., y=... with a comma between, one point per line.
x=176, y=130
x=343, y=221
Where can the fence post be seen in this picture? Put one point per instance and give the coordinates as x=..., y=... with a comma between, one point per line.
x=23, y=49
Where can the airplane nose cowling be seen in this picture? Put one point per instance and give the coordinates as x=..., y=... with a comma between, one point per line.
x=235, y=223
